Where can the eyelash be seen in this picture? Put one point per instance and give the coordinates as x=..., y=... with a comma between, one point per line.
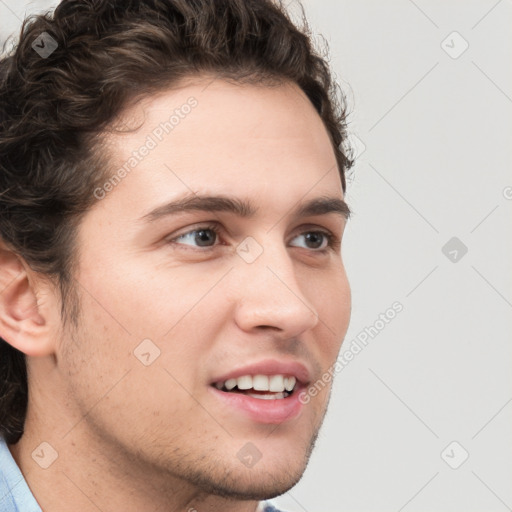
x=332, y=240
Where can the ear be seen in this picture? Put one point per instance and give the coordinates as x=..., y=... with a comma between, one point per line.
x=28, y=306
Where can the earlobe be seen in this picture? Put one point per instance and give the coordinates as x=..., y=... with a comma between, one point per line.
x=25, y=322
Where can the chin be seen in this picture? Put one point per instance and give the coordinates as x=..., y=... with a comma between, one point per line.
x=266, y=479
x=253, y=484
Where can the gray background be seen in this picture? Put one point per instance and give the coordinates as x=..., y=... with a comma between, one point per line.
x=432, y=125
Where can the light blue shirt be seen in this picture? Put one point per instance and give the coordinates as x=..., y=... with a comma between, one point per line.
x=15, y=495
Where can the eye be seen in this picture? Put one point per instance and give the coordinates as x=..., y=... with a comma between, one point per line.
x=203, y=236
x=206, y=236
x=320, y=241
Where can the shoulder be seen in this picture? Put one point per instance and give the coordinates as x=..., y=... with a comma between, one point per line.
x=15, y=495
x=268, y=507
x=6, y=497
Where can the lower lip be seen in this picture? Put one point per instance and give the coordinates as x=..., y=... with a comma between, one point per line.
x=261, y=410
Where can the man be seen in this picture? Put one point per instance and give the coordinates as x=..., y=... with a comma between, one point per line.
x=173, y=294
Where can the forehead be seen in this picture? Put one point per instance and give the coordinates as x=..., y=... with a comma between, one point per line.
x=217, y=137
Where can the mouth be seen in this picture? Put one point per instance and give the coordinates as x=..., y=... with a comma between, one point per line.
x=265, y=392
x=261, y=387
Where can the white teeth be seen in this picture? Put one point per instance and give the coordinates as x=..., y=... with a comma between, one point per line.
x=244, y=382
x=230, y=384
x=289, y=383
x=276, y=383
x=271, y=383
x=260, y=383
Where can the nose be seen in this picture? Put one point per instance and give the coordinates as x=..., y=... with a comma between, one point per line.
x=269, y=295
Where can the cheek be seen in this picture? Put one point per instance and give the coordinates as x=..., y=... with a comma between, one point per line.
x=156, y=301
x=134, y=303
x=112, y=391
x=331, y=298
x=96, y=355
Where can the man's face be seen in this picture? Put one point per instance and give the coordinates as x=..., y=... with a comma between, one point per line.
x=169, y=314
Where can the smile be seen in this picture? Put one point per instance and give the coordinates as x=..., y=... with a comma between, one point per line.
x=262, y=387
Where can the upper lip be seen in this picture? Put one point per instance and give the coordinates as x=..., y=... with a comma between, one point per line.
x=270, y=367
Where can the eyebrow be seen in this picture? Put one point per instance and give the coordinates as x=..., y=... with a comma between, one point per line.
x=318, y=206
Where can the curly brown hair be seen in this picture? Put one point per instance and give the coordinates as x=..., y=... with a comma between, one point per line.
x=100, y=54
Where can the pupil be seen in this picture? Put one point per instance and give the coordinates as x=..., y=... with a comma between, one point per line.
x=202, y=236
